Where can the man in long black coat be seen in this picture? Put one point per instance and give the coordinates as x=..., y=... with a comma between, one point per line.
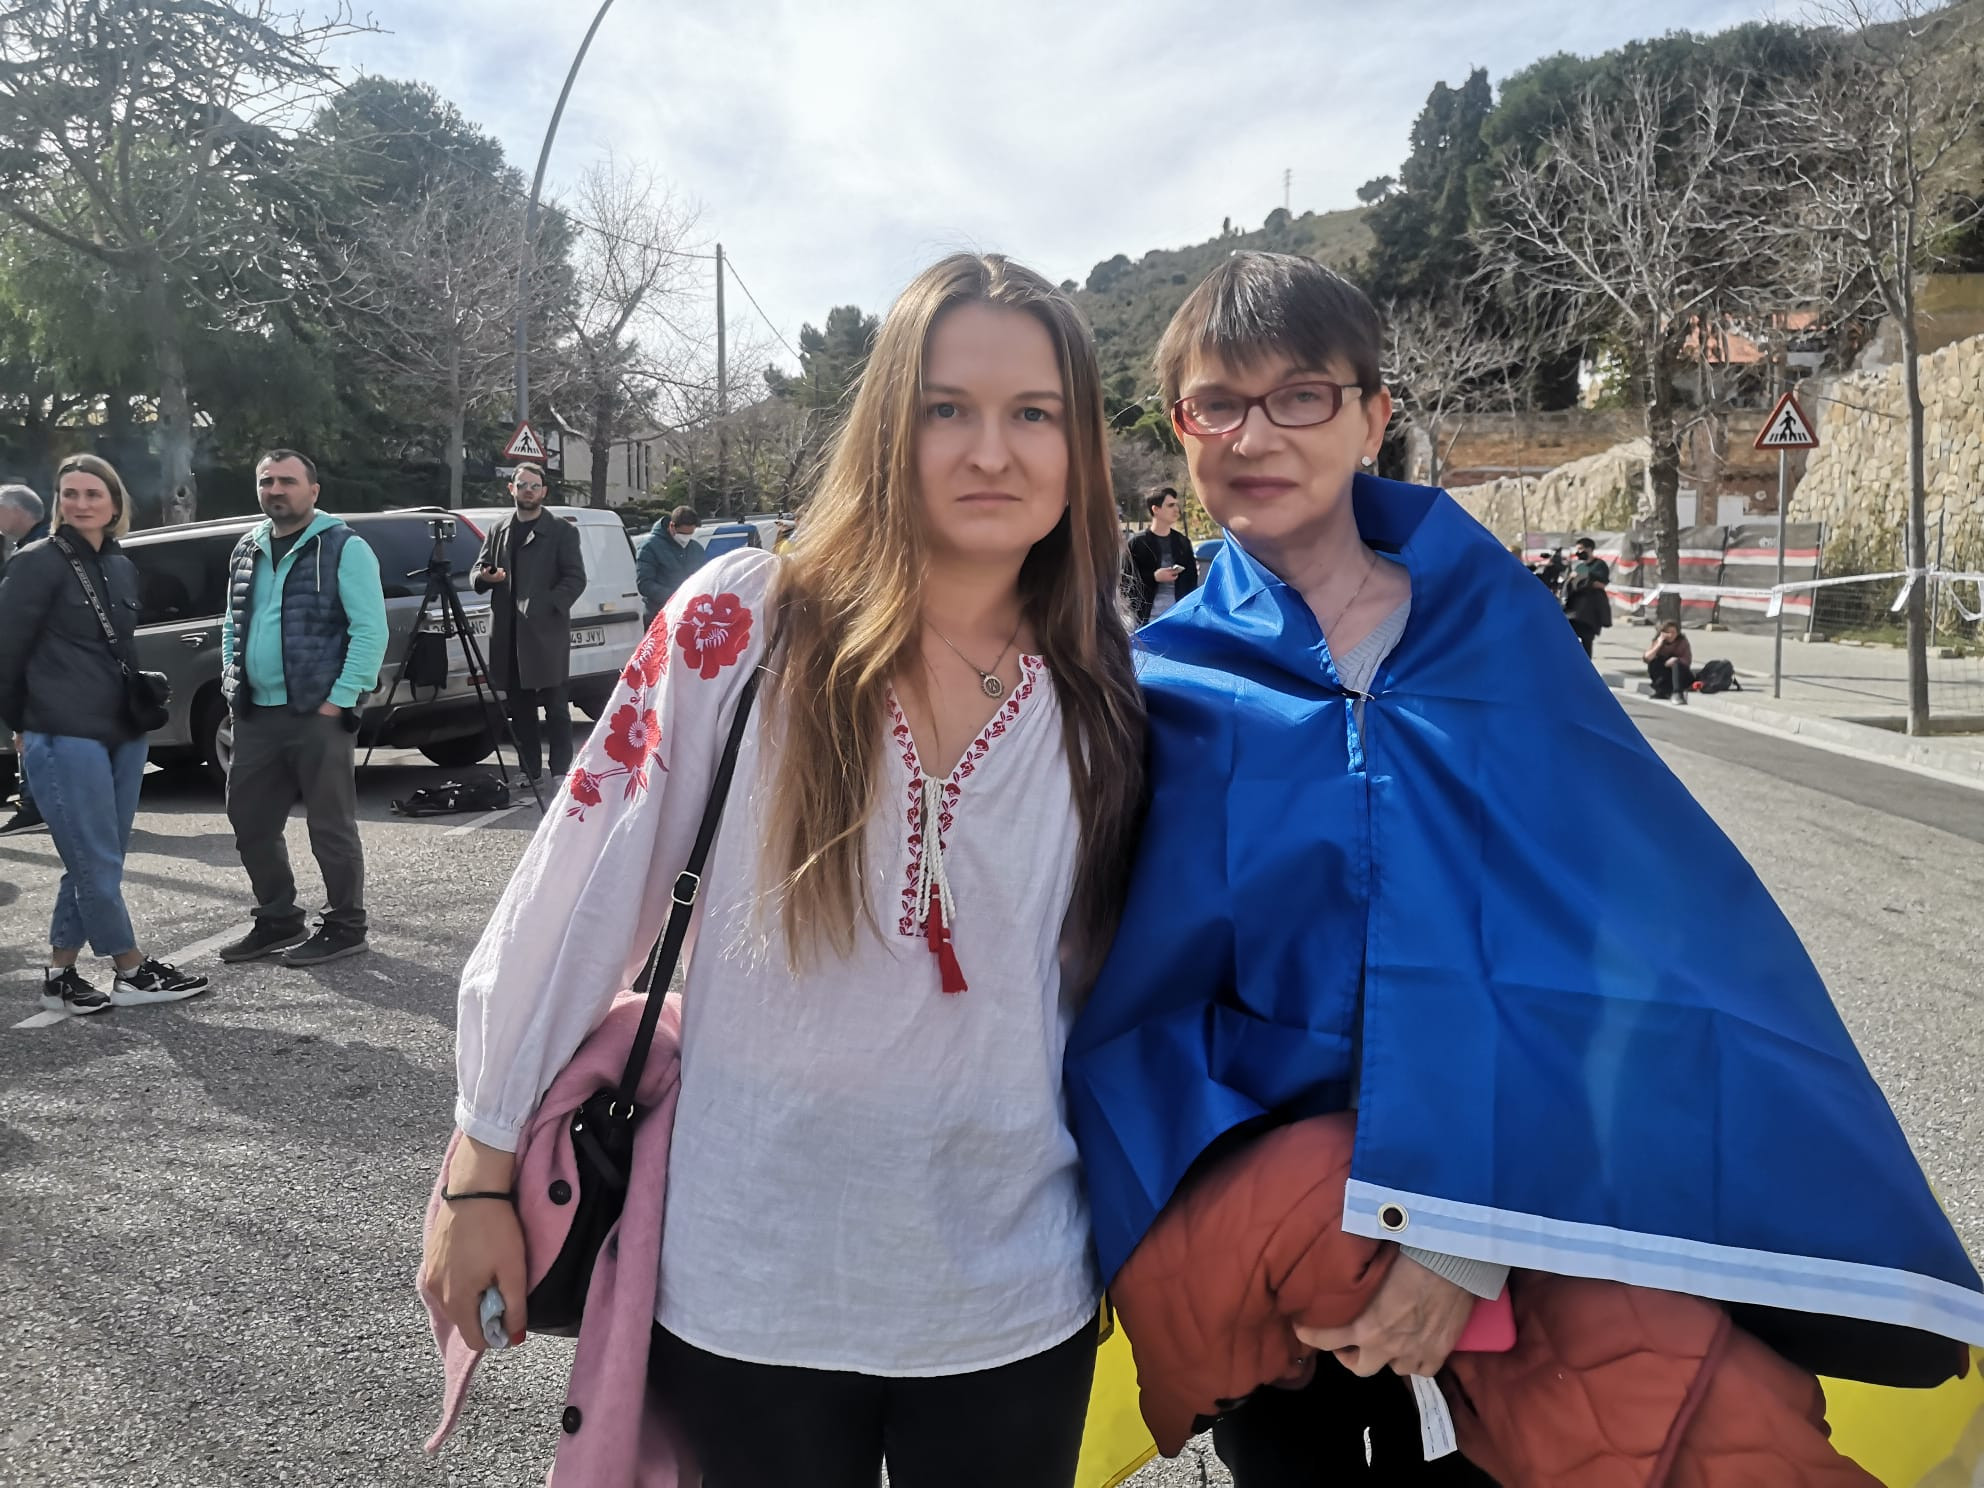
x=534, y=569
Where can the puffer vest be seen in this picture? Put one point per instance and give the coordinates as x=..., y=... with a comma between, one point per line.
x=315, y=630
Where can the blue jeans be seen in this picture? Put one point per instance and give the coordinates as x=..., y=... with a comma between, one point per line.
x=88, y=792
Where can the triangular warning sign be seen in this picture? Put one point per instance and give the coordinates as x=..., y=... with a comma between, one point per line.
x=524, y=444
x=1787, y=428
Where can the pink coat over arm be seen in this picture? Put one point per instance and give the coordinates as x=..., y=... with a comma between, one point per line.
x=613, y=1435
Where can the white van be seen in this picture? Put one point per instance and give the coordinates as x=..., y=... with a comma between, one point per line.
x=606, y=622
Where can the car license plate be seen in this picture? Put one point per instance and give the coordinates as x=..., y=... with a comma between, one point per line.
x=478, y=624
x=591, y=636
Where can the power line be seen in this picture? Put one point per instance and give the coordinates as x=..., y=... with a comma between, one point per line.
x=730, y=261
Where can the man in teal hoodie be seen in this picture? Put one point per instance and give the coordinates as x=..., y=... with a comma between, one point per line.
x=302, y=638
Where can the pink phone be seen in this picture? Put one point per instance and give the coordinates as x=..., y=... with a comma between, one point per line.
x=1491, y=1327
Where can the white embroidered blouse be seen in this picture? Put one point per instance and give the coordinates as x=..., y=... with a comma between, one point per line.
x=868, y=1173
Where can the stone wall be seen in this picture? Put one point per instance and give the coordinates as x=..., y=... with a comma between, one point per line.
x=1856, y=482
x=1599, y=493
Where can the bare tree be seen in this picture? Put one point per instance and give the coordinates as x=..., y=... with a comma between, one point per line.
x=632, y=326
x=154, y=137
x=428, y=296
x=1647, y=215
x=1446, y=358
x=1871, y=143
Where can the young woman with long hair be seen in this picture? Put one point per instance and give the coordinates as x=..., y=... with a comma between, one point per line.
x=875, y=1243
x=62, y=693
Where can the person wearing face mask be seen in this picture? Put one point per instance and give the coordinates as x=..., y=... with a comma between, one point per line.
x=63, y=697
x=1670, y=1176
x=534, y=568
x=874, y=1246
x=1163, y=568
x=667, y=558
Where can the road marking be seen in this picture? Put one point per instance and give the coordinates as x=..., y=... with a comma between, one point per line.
x=482, y=821
x=1865, y=756
x=199, y=948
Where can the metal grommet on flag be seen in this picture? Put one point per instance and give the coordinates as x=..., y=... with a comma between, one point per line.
x=1393, y=1218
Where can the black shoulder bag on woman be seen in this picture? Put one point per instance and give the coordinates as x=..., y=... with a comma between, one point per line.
x=146, y=694
x=603, y=1128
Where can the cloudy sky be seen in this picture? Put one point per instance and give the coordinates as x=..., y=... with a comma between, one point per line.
x=835, y=146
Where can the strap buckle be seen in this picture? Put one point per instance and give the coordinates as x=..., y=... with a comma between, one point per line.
x=686, y=888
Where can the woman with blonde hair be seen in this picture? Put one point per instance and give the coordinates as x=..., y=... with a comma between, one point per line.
x=68, y=612
x=875, y=1244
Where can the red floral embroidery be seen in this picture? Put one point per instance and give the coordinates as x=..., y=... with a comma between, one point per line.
x=1030, y=667
x=713, y=632
x=584, y=787
x=649, y=663
x=633, y=736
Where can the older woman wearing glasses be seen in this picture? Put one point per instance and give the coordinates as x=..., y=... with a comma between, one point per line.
x=1346, y=901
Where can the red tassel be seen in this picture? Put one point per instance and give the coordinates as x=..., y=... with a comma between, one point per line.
x=939, y=935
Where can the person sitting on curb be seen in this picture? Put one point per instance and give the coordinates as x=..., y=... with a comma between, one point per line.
x=1670, y=663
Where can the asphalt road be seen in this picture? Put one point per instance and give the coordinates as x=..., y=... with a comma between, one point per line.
x=208, y=1212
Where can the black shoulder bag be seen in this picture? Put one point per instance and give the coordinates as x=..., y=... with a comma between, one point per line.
x=147, y=695
x=603, y=1128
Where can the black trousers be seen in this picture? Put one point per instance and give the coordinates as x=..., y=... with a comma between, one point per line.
x=556, y=704
x=768, y=1426
x=1587, y=635
x=1669, y=674
x=1318, y=1436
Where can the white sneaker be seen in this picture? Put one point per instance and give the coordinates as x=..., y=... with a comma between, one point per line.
x=154, y=981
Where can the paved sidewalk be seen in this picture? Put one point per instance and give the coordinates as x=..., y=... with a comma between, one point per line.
x=1841, y=695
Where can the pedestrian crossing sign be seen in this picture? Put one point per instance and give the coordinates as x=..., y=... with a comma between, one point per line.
x=1787, y=428
x=524, y=445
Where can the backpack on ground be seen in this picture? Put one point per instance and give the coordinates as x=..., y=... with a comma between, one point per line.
x=1717, y=676
x=482, y=793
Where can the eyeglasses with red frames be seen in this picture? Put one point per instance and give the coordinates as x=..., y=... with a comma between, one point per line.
x=1294, y=405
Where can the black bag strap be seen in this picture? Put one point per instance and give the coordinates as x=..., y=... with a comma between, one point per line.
x=668, y=950
x=96, y=603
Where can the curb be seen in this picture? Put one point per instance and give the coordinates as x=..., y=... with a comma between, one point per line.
x=1923, y=756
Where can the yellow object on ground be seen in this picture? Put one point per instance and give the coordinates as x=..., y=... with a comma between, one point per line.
x=1115, y=1444
x=1906, y=1438
x=1913, y=1438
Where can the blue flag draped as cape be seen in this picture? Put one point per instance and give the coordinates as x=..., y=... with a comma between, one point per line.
x=1558, y=1071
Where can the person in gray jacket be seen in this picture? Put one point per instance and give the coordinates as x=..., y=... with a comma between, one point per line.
x=669, y=556
x=63, y=697
x=534, y=568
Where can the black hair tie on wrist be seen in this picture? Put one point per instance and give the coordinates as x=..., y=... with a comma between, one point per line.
x=480, y=1193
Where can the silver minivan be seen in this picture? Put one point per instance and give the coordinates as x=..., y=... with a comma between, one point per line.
x=182, y=591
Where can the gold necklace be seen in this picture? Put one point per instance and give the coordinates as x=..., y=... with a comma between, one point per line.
x=988, y=682
x=1355, y=596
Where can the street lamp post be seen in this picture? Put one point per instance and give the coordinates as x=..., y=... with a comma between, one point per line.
x=530, y=221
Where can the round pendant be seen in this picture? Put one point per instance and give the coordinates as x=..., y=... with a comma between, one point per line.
x=994, y=688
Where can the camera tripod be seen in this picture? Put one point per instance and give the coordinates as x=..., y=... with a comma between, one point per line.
x=441, y=592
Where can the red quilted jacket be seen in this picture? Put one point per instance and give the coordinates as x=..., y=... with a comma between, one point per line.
x=1608, y=1386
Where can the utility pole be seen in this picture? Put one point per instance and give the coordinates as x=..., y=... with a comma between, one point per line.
x=1288, y=191
x=1783, y=502
x=530, y=221
x=722, y=392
